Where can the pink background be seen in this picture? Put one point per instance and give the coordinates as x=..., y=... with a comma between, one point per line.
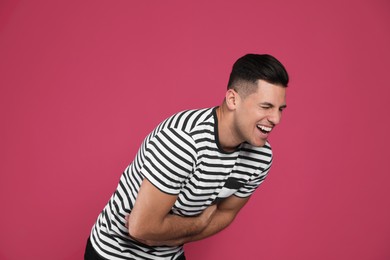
x=82, y=82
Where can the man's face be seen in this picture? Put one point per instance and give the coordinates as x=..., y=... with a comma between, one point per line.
x=258, y=113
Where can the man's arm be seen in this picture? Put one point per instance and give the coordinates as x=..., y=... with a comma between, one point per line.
x=226, y=211
x=150, y=219
x=223, y=217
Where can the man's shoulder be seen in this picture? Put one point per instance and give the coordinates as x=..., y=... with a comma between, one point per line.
x=180, y=127
x=188, y=120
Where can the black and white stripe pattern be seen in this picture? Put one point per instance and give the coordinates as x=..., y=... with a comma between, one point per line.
x=181, y=157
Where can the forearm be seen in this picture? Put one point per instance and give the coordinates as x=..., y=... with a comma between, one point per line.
x=173, y=227
x=220, y=220
x=170, y=227
x=171, y=233
x=224, y=214
x=151, y=221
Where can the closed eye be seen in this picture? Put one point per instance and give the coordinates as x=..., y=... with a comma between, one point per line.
x=267, y=106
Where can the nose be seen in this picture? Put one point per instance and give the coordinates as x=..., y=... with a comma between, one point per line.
x=274, y=117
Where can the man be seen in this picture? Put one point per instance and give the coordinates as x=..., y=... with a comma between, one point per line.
x=195, y=171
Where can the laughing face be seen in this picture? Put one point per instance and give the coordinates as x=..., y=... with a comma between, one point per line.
x=257, y=114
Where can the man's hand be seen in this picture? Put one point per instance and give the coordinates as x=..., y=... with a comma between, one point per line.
x=207, y=215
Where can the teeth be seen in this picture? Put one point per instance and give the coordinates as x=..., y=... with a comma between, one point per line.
x=264, y=128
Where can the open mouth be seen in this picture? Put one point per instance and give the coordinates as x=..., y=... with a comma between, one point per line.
x=264, y=129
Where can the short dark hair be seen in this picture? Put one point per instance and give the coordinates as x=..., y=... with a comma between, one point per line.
x=253, y=67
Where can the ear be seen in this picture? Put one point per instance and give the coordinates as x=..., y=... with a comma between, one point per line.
x=231, y=99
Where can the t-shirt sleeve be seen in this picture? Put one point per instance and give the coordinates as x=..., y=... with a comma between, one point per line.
x=253, y=183
x=169, y=159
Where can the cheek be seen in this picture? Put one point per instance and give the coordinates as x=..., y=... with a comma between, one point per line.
x=261, y=115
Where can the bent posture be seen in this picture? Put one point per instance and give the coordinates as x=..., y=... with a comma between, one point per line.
x=196, y=170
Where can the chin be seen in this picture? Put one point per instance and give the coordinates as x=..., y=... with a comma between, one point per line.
x=258, y=143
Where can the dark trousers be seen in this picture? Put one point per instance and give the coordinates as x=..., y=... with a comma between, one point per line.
x=90, y=253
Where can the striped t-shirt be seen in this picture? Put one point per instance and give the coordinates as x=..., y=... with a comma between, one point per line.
x=181, y=156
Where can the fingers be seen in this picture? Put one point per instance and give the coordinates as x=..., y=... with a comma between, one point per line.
x=210, y=210
x=127, y=221
x=207, y=215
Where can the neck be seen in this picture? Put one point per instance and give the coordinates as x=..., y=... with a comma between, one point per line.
x=227, y=135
